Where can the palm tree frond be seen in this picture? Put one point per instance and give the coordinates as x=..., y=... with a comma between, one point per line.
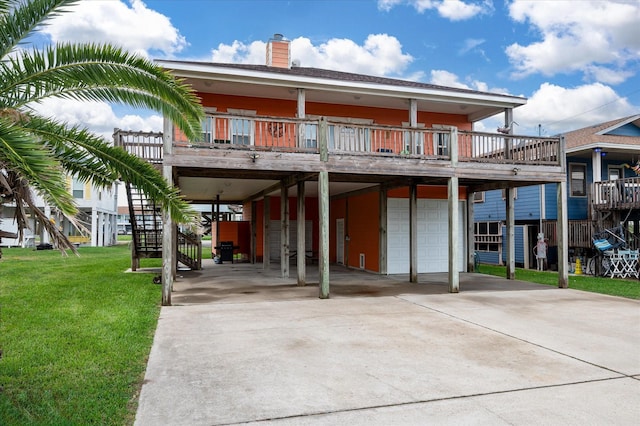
x=19, y=19
x=20, y=153
x=99, y=73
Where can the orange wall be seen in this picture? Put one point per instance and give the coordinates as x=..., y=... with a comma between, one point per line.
x=361, y=214
x=238, y=232
x=288, y=108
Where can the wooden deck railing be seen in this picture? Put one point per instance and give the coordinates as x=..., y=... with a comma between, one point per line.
x=146, y=145
x=225, y=131
x=616, y=194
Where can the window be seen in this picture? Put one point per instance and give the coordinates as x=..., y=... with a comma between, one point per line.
x=207, y=129
x=441, y=140
x=77, y=188
x=578, y=180
x=615, y=173
x=478, y=197
x=488, y=236
x=311, y=136
x=241, y=131
x=419, y=142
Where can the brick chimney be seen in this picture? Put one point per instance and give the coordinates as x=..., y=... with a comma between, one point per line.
x=278, y=52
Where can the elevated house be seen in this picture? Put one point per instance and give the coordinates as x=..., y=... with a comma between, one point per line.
x=603, y=192
x=97, y=214
x=371, y=173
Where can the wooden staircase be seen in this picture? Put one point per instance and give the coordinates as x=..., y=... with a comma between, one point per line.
x=145, y=216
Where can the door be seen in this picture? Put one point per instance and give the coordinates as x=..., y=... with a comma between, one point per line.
x=340, y=241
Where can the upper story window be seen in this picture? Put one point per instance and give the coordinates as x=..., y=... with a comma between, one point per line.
x=441, y=140
x=310, y=136
x=410, y=136
x=615, y=172
x=241, y=131
x=207, y=129
x=77, y=188
x=478, y=197
x=578, y=180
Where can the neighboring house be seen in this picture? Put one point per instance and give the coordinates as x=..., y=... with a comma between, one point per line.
x=603, y=191
x=97, y=213
x=367, y=172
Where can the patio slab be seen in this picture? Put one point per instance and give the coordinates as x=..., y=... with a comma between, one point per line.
x=246, y=347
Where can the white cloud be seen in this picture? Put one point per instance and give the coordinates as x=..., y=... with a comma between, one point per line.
x=454, y=10
x=380, y=54
x=98, y=117
x=597, y=38
x=136, y=28
x=560, y=109
x=446, y=78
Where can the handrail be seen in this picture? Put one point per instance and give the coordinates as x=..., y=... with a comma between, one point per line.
x=191, y=250
x=352, y=136
x=613, y=194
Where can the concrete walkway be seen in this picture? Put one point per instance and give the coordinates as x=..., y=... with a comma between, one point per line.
x=244, y=346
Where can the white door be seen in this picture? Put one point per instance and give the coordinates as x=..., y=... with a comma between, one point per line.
x=433, y=239
x=340, y=241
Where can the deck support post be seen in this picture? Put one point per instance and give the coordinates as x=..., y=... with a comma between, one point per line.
x=471, y=238
x=382, y=231
x=301, y=249
x=284, y=230
x=254, y=231
x=169, y=240
x=454, y=231
x=562, y=236
x=413, y=232
x=266, y=237
x=511, y=243
x=323, y=213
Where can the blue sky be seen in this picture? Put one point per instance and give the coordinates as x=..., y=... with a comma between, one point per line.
x=577, y=61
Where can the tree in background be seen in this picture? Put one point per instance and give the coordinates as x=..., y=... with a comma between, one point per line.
x=38, y=152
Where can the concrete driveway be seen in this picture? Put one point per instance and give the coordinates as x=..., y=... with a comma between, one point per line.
x=244, y=346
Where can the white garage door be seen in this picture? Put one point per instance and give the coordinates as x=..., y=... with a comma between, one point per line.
x=433, y=240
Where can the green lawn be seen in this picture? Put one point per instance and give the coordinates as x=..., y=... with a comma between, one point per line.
x=611, y=286
x=75, y=334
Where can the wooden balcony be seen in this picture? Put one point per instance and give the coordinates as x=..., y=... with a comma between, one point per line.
x=620, y=194
x=258, y=145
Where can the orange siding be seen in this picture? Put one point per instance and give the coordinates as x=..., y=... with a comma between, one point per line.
x=363, y=230
x=361, y=214
x=238, y=232
x=264, y=107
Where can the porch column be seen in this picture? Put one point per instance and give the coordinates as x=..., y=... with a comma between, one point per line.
x=323, y=213
x=266, y=238
x=254, y=232
x=454, y=230
x=511, y=244
x=95, y=223
x=413, y=232
x=102, y=228
x=562, y=236
x=302, y=246
x=471, y=230
x=284, y=230
x=596, y=166
x=382, y=231
x=44, y=235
